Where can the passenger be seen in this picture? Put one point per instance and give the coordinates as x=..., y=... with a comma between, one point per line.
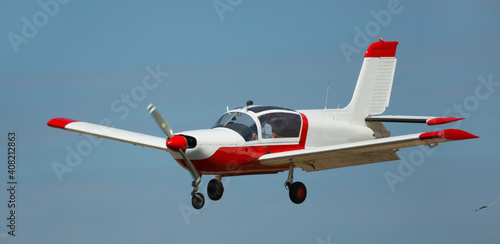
x=267, y=130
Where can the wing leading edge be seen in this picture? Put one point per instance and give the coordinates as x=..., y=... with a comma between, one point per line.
x=109, y=133
x=363, y=152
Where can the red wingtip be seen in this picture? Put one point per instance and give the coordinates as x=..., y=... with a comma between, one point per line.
x=440, y=121
x=450, y=134
x=60, y=122
x=382, y=49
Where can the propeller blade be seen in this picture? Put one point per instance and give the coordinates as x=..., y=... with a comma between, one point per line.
x=161, y=121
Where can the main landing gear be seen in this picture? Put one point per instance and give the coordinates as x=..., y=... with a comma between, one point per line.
x=297, y=190
x=215, y=189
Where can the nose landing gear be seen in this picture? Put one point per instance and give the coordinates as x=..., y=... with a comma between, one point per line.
x=198, y=200
x=215, y=189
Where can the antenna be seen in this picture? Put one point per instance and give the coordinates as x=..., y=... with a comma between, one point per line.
x=249, y=103
x=327, y=91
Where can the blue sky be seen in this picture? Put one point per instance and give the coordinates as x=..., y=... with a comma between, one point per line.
x=84, y=56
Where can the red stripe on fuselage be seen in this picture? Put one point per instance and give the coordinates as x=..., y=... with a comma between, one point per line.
x=228, y=161
x=303, y=133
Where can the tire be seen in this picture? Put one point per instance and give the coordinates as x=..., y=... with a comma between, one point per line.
x=298, y=192
x=198, y=200
x=215, y=189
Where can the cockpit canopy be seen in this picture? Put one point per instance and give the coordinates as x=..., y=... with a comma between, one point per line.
x=262, y=122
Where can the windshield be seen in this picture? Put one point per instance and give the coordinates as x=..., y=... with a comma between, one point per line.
x=242, y=123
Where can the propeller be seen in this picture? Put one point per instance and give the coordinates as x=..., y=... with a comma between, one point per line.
x=176, y=143
x=161, y=121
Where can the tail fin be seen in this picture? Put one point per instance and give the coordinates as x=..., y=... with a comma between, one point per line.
x=373, y=89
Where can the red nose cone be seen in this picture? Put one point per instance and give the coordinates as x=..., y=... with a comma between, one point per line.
x=177, y=143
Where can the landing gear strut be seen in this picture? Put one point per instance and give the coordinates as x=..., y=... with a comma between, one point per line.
x=215, y=189
x=297, y=190
x=198, y=199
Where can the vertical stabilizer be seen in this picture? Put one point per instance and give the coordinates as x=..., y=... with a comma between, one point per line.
x=373, y=88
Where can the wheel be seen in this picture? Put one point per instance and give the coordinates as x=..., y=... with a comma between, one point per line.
x=298, y=192
x=198, y=200
x=215, y=189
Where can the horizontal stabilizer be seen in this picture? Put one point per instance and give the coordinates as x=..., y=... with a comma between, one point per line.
x=412, y=119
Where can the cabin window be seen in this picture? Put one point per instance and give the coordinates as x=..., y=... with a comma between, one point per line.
x=283, y=125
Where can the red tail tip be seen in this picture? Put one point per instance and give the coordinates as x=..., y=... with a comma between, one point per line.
x=382, y=49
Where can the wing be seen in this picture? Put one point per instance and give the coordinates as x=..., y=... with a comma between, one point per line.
x=363, y=152
x=109, y=133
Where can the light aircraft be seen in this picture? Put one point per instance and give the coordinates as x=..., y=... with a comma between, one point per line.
x=266, y=139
